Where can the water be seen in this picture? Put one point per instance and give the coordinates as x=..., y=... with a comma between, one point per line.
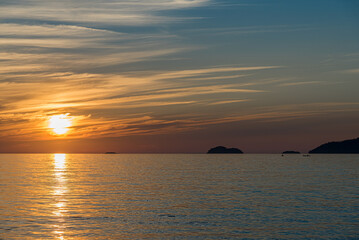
x=89, y=196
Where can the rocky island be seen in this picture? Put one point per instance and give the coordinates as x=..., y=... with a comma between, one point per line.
x=221, y=149
x=290, y=152
x=346, y=146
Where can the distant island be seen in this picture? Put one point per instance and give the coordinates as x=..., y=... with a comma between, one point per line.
x=221, y=149
x=346, y=146
x=110, y=153
x=290, y=152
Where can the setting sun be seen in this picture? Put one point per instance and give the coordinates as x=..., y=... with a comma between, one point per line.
x=60, y=123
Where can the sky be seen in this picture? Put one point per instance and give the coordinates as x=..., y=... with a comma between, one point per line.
x=178, y=76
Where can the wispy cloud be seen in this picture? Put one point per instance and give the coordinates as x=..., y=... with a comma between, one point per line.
x=71, y=48
x=92, y=59
x=246, y=30
x=229, y=101
x=355, y=70
x=300, y=83
x=63, y=90
x=128, y=13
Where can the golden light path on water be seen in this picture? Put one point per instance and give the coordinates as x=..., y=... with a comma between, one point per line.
x=59, y=191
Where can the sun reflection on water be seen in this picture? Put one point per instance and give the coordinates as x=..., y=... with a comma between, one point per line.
x=59, y=191
x=59, y=161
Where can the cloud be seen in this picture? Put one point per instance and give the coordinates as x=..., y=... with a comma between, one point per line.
x=126, y=13
x=93, y=59
x=247, y=30
x=355, y=70
x=64, y=90
x=229, y=101
x=26, y=48
x=300, y=83
x=74, y=36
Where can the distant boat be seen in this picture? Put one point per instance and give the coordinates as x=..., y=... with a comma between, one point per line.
x=306, y=155
x=110, y=153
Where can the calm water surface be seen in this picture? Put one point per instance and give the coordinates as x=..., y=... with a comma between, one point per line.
x=89, y=196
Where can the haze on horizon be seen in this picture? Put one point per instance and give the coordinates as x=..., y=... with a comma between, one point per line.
x=178, y=75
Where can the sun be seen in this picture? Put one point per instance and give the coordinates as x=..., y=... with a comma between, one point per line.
x=60, y=123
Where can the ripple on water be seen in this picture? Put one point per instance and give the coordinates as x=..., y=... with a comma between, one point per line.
x=178, y=196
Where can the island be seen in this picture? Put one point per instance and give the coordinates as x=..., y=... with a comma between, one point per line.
x=346, y=146
x=110, y=153
x=290, y=152
x=221, y=149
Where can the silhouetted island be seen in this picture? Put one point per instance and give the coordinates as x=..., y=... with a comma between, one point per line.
x=221, y=149
x=347, y=146
x=110, y=152
x=290, y=152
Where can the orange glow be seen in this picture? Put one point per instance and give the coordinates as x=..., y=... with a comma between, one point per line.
x=60, y=123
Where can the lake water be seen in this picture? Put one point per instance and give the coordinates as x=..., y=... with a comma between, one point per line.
x=178, y=196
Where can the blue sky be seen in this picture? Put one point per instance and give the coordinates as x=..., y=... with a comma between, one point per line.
x=184, y=75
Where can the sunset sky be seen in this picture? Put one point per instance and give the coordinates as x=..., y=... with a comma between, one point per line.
x=178, y=76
